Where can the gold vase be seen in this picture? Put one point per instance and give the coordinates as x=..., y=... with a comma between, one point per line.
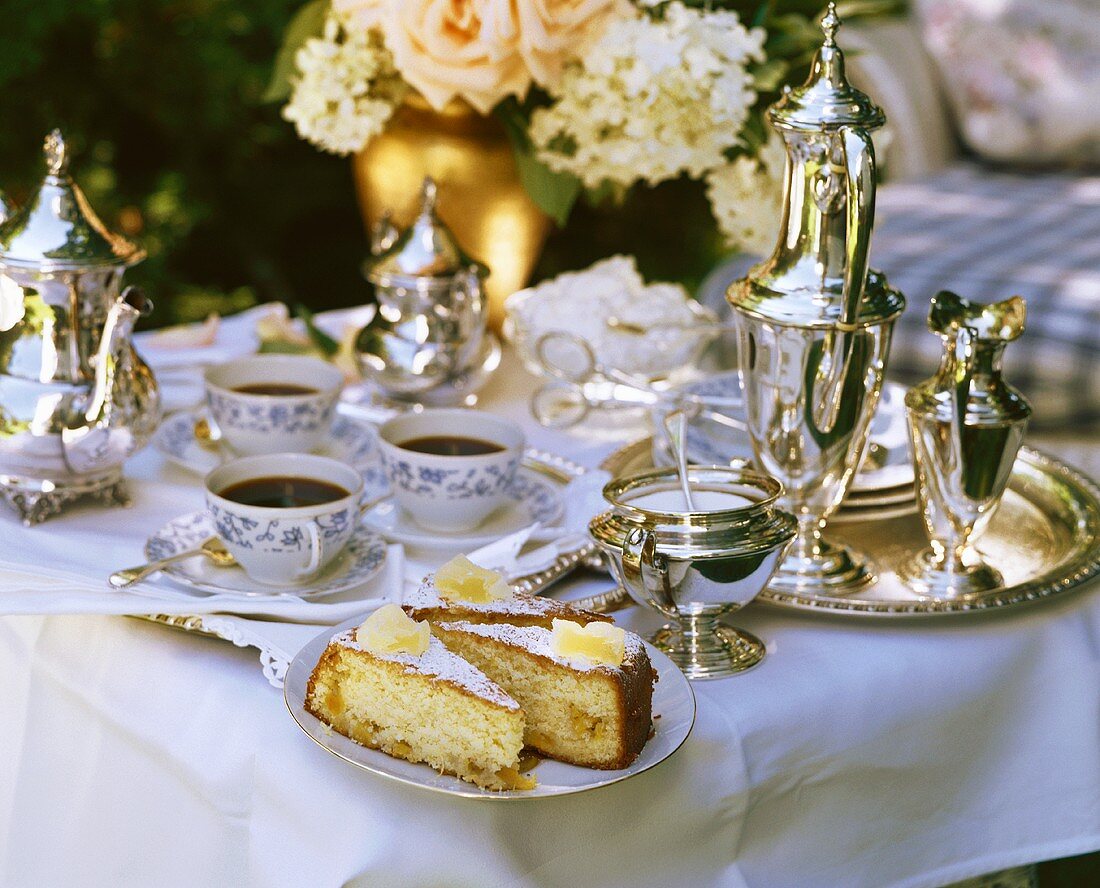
x=481, y=196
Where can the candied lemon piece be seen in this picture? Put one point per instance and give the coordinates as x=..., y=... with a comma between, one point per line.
x=462, y=580
x=597, y=642
x=389, y=630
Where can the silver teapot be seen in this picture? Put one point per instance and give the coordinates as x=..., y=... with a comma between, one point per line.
x=429, y=326
x=75, y=398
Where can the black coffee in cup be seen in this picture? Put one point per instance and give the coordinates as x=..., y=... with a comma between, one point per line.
x=274, y=388
x=451, y=445
x=283, y=492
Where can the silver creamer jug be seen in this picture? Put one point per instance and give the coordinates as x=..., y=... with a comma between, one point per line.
x=75, y=398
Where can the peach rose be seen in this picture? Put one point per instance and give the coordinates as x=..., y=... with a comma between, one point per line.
x=550, y=31
x=480, y=50
x=448, y=48
x=363, y=13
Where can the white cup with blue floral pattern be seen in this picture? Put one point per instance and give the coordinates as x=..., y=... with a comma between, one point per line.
x=273, y=403
x=284, y=516
x=443, y=491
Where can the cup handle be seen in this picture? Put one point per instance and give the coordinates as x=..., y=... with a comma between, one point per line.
x=646, y=570
x=315, y=550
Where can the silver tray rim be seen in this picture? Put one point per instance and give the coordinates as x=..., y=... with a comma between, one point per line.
x=1085, y=565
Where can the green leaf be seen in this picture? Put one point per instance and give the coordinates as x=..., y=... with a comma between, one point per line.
x=754, y=134
x=553, y=193
x=769, y=75
x=309, y=21
x=325, y=343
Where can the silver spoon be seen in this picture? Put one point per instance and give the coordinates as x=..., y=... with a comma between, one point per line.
x=679, y=419
x=211, y=548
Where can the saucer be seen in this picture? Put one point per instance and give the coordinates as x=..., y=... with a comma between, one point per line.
x=532, y=498
x=361, y=559
x=350, y=441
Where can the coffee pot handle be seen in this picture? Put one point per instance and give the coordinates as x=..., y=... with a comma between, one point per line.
x=832, y=373
x=859, y=161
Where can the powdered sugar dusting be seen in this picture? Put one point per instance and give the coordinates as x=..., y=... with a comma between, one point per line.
x=536, y=639
x=519, y=604
x=439, y=662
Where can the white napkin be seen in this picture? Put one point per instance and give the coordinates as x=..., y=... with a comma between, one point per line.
x=40, y=590
x=235, y=338
x=583, y=499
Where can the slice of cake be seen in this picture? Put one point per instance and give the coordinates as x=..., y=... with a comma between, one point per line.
x=461, y=591
x=586, y=692
x=392, y=686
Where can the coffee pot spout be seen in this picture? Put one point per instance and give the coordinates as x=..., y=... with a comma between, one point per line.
x=114, y=345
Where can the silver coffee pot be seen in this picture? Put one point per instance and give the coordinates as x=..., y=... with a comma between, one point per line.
x=75, y=398
x=430, y=322
x=814, y=321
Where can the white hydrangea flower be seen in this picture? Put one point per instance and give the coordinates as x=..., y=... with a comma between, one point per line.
x=346, y=90
x=746, y=197
x=651, y=99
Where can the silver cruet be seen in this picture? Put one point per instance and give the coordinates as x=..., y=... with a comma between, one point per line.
x=75, y=398
x=429, y=326
x=966, y=425
x=814, y=322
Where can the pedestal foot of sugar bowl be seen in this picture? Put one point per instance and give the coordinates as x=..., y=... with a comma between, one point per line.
x=715, y=651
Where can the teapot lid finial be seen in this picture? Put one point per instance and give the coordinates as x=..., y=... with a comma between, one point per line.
x=56, y=152
x=428, y=192
x=426, y=250
x=56, y=229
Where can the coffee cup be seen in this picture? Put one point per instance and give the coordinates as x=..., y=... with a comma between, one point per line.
x=450, y=469
x=273, y=403
x=284, y=516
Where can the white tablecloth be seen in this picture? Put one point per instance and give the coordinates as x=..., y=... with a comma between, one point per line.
x=859, y=753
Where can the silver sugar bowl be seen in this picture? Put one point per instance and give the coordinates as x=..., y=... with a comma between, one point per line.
x=814, y=321
x=429, y=326
x=696, y=566
x=75, y=398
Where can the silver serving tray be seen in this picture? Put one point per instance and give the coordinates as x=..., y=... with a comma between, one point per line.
x=1044, y=538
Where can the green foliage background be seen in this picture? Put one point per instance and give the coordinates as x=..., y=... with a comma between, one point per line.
x=162, y=101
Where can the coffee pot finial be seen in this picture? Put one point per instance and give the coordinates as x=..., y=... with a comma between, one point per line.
x=829, y=25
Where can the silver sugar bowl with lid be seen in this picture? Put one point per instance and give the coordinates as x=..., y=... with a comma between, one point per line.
x=75, y=398
x=696, y=566
x=430, y=323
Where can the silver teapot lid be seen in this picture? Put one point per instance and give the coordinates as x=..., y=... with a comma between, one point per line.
x=826, y=100
x=57, y=230
x=426, y=252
